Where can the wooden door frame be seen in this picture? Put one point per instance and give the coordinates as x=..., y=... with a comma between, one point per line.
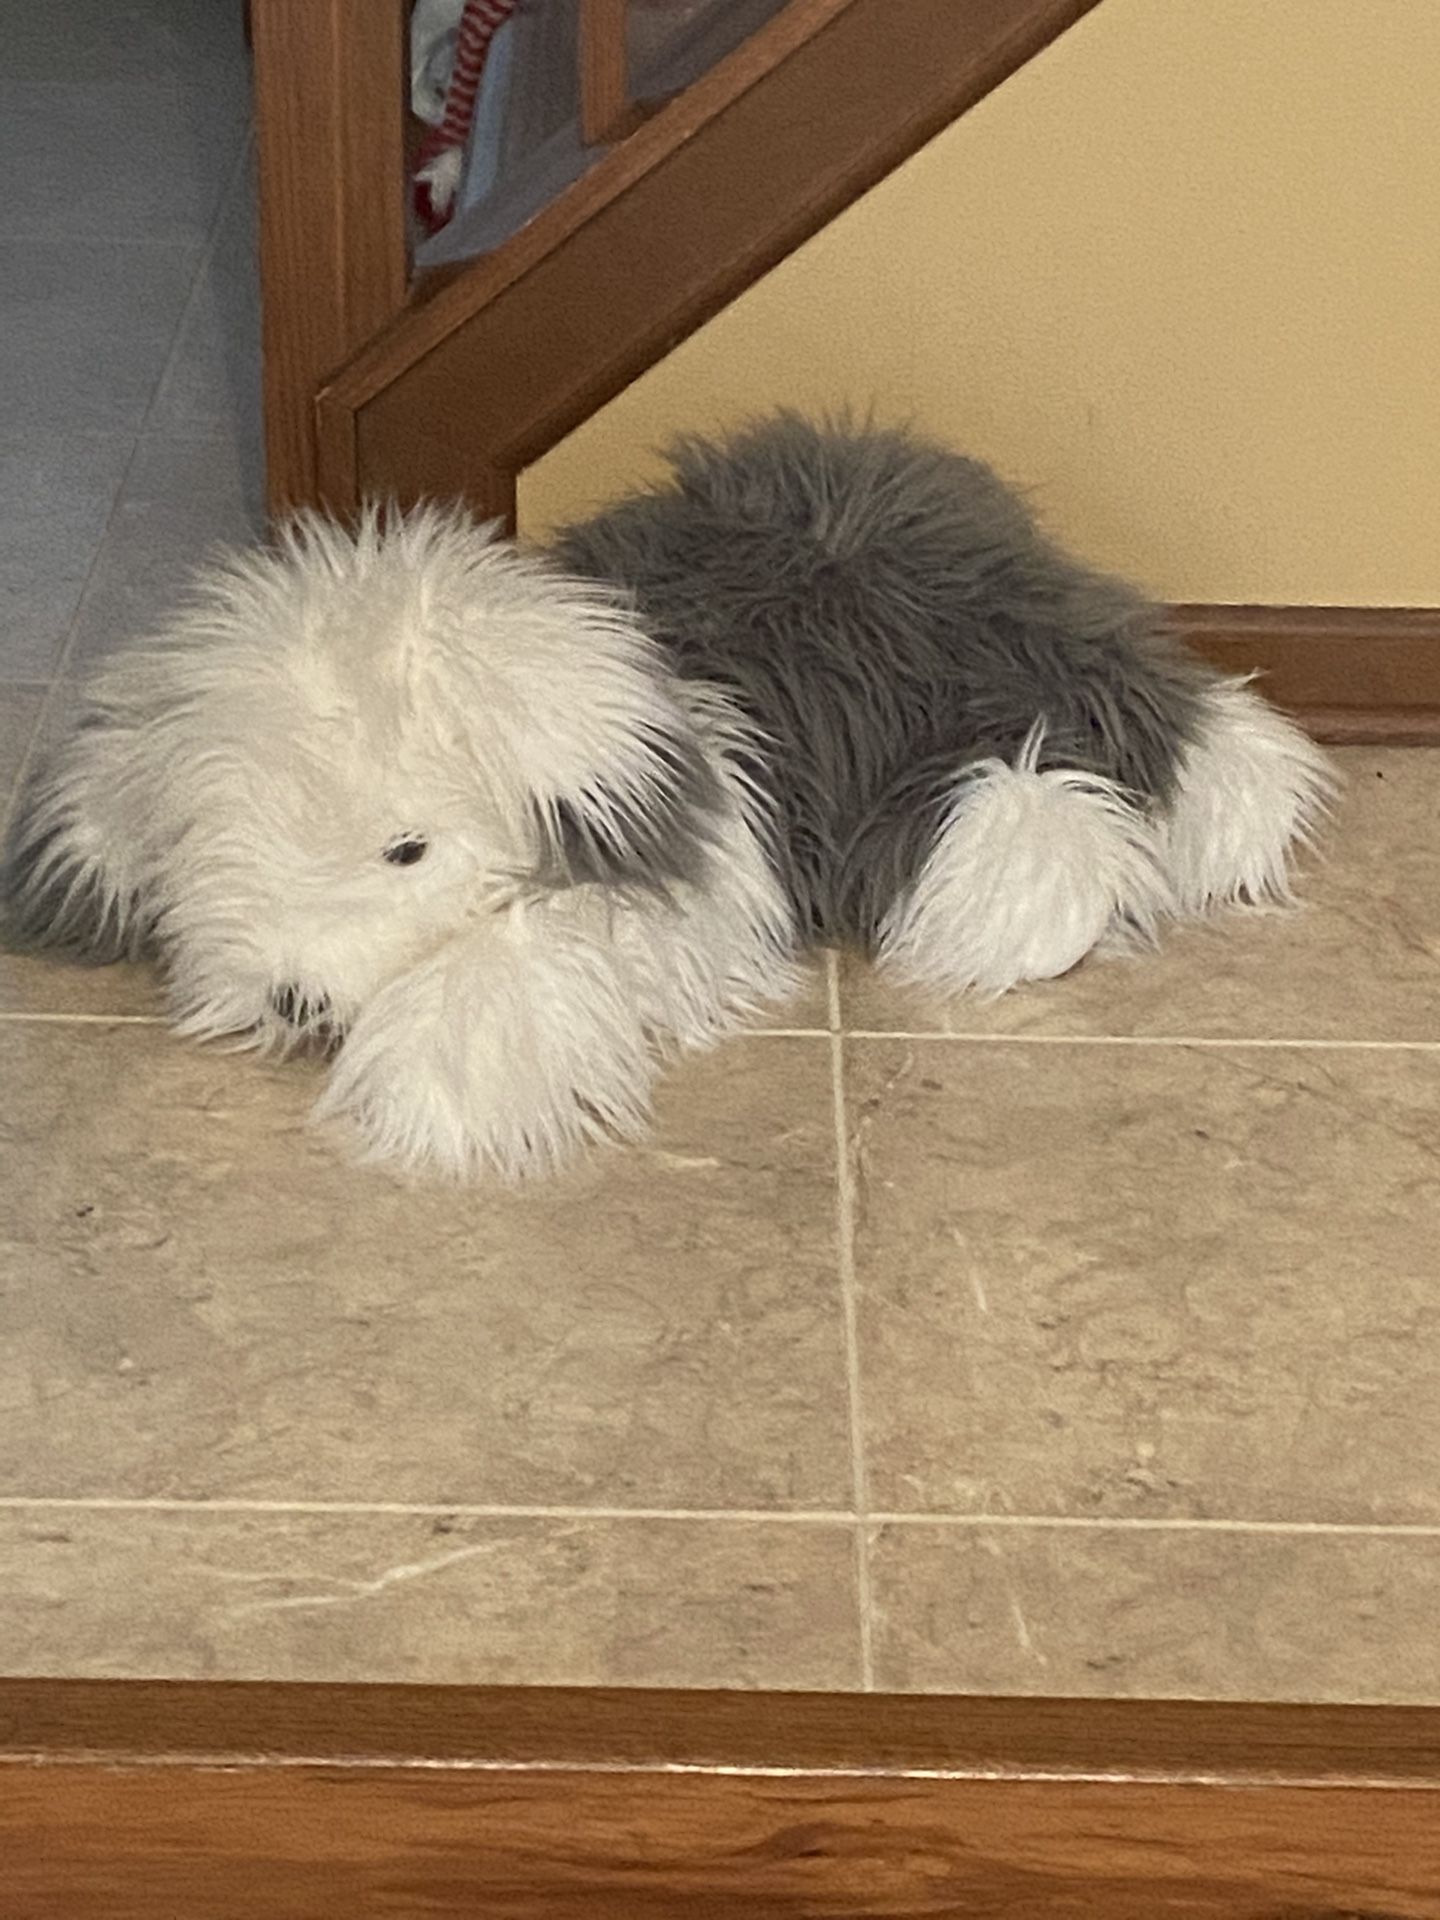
x=454, y=386
x=330, y=86
x=451, y=386
x=127, y=1800
x=464, y=388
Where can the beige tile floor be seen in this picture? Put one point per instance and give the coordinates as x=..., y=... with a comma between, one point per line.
x=1086, y=1343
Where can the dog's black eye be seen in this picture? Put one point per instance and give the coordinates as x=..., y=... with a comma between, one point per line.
x=404, y=853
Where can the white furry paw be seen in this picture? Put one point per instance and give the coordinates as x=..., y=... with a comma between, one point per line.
x=1253, y=791
x=1030, y=871
x=506, y=1054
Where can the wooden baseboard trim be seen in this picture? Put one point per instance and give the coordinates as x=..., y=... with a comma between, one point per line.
x=1353, y=676
x=128, y=1799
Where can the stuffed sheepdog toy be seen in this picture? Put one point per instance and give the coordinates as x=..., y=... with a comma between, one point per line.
x=499, y=829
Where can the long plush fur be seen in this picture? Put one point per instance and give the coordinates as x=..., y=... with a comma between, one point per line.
x=498, y=828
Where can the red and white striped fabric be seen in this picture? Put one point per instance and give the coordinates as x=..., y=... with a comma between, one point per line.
x=442, y=151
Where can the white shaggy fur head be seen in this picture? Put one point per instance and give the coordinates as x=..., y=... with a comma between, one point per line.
x=347, y=751
x=344, y=748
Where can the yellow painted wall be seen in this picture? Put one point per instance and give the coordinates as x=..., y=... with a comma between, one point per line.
x=1180, y=277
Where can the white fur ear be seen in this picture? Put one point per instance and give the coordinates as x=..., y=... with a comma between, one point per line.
x=584, y=735
x=78, y=872
x=509, y=1051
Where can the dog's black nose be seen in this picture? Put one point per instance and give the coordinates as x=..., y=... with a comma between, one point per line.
x=296, y=1010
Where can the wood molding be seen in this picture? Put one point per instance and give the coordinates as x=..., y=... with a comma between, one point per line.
x=1353, y=676
x=481, y=373
x=707, y=195
x=330, y=137
x=128, y=1799
x=604, y=71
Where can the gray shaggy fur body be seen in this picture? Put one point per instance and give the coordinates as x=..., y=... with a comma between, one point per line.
x=887, y=613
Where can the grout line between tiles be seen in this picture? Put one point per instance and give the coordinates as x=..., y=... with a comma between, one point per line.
x=159, y=1020
x=400, y=1509
x=203, y=258
x=1139, y=1040
x=153, y=243
x=877, y=1033
x=52, y=686
x=86, y=1019
x=861, y=1033
x=1134, y=1523
x=234, y=182
x=845, y=1260
x=770, y=1516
